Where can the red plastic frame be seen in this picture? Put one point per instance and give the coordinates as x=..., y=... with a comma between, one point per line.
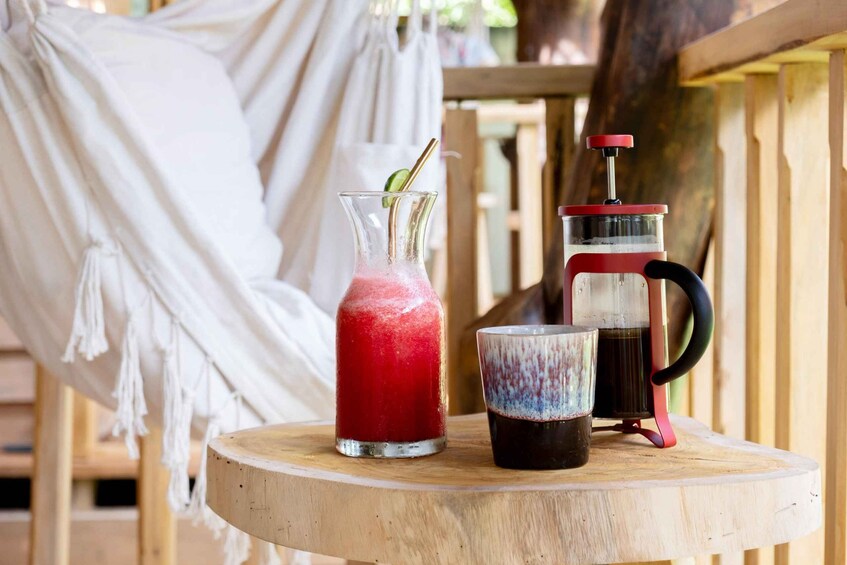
x=631, y=263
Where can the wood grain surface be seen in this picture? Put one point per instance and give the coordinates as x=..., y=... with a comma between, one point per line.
x=632, y=502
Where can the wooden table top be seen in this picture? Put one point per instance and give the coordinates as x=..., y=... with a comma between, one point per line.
x=631, y=502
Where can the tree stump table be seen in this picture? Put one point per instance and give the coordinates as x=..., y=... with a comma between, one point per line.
x=632, y=502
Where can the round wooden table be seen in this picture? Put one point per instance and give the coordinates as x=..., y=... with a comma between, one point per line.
x=632, y=502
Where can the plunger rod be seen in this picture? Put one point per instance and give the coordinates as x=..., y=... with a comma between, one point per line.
x=610, y=176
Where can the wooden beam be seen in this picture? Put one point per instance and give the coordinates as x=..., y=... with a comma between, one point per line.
x=802, y=279
x=51, y=481
x=156, y=522
x=730, y=261
x=783, y=28
x=460, y=136
x=517, y=81
x=836, y=456
x=108, y=461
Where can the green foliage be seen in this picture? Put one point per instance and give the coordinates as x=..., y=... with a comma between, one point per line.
x=457, y=13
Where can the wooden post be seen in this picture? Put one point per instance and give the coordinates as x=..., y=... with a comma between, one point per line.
x=156, y=522
x=84, y=446
x=460, y=135
x=761, y=127
x=51, y=476
x=802, y=277
x=836, y=456
x=84, y=427
x=530, y=206
x=730, y=261
x=560, y=130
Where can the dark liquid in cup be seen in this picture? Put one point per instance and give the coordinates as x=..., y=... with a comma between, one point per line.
x=526, y=444
x=624, y=363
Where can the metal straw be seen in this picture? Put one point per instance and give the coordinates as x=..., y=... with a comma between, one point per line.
x=392, y=213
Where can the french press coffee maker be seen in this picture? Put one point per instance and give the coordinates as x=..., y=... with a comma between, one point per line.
x=615, y=268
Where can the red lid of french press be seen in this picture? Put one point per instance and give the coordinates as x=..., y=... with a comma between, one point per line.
x=609, y=140
x=612, y=209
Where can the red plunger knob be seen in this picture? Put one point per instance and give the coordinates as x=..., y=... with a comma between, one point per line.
x=617, y=141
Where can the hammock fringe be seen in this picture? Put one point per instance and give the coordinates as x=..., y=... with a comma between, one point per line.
x=176, y=433
x=88, y=329
x=236, y=546
x=197, y=508
x=129, y=392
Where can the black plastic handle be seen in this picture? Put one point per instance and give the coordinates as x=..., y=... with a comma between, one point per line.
x=704, y=316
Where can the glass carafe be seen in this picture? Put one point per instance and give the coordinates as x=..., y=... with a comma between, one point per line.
x=391, y=390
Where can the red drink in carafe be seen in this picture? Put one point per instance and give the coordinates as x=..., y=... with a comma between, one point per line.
x=390, y=346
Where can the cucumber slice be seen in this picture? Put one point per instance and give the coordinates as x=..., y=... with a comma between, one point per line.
x=394, y=184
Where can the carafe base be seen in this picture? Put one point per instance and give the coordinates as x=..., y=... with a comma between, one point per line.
x=390, y=449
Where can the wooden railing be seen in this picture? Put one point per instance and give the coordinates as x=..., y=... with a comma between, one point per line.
x=780, y=239
x=558, y=87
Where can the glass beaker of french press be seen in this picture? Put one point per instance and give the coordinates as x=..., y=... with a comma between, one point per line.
x=615, y=268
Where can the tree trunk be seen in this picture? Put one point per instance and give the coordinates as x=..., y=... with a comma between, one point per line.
x=557, y=31
x=635, y=91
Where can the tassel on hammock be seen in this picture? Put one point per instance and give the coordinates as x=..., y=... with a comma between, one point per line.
x=129, y=392
x=197, y=509
x=268, y=554
x=236, y=546
x=88, y=330
x=176, y=433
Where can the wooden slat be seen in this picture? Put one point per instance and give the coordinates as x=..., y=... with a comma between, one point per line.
x=836, y=456
x=17, y=378
x=460, y=135
x=730, y=261
x=108, y=461
x=783, y=28
x=730, y=266
x=560, y=131
x=701, y=378
x=51, y=482
x=761, y=127
x=517, y=81
x=8, y=340
x=802, y=281
x=17, y=425
x=510, y=113
x=156, y=523
x=530, y=197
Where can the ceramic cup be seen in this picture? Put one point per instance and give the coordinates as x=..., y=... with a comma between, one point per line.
x=538, y=383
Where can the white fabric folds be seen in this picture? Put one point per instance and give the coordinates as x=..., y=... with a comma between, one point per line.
x=171, y=243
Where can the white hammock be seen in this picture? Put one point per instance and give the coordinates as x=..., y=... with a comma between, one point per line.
x=152, y=167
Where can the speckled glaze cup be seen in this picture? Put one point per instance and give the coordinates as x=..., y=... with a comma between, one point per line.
x=538, y=383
